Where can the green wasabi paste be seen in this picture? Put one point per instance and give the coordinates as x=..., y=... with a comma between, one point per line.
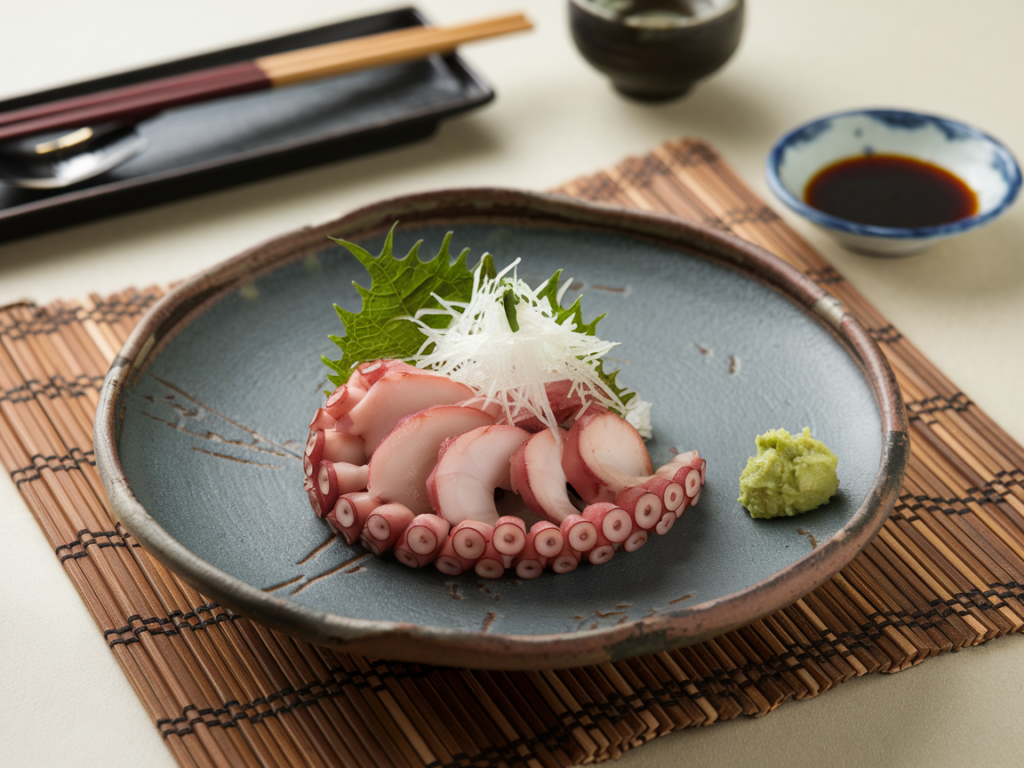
x=789, y=475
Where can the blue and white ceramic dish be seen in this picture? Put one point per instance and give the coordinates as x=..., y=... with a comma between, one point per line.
x=981, y=162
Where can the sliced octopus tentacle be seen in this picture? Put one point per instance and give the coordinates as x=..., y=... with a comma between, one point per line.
x=537, y=476
x=643, y=506
x=547, y=538
x=395, y=396
x=322, y=420
x=470, y=539
x=336, y=478
x=408, y=557
x=491, y=564
x=665, y=524
x=470, y=468
x=400, y=466
x=612, y=521
x=672, y=494
x=509, y=535
x=601, y=554
x=636, y=540
x=566, y=560
x=580, y=533
x=385, y=526
x=426, y=534
x=349, y=514
x=449, y=562
x=529, y=563
x=422, y=540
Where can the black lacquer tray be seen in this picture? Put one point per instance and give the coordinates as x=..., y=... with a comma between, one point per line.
x=204, y=147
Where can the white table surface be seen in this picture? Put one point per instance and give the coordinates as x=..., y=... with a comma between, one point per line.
x=63, y=698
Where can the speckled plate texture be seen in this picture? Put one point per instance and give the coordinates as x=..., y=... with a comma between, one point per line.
x=204, y=417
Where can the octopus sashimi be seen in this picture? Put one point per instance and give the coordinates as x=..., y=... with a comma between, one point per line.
x=408, y=461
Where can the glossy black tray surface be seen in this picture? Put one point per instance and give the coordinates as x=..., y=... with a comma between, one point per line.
x=217, y=144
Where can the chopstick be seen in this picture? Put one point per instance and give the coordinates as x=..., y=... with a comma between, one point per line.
x=134, y=102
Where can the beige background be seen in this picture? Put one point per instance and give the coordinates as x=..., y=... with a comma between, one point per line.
x=62, y=696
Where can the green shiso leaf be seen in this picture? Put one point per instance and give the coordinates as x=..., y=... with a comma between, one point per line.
x=399, y=287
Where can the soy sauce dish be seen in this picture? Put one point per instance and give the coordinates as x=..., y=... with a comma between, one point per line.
x=891, y=183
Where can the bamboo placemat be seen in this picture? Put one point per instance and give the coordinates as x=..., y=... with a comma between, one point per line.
x=945, y=572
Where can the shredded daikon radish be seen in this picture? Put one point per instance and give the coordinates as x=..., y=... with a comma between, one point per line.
x=480, y=349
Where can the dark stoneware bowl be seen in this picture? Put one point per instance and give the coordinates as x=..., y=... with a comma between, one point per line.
x=656, y=49
x=203, y=419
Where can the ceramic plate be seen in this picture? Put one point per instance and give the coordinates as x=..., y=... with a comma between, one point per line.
x=204, y=413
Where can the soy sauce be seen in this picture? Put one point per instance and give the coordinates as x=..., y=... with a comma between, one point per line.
x=891, y=191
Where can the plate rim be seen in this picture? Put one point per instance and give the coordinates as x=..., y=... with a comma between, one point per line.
x=402, y=641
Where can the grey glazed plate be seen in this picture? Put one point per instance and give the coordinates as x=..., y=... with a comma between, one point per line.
x=203, y=419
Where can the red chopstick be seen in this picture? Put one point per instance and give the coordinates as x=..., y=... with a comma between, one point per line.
x=133, y=102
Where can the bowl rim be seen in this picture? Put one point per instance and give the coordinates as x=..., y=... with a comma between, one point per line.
x=829, y=221
x=439, y=645
x=595, y=10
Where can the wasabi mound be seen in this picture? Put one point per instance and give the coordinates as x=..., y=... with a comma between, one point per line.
x=789, y=475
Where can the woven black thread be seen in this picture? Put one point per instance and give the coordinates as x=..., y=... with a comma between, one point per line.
x=170, y=625
x=93, y=536
x=1009, y=477
x=639, y=173
x=825, y=276
x=54, y=463
x=55, y=388
x=115, y=308
x=918, y=408
x=716, y=222
x=987, y=494
x=689, y=155
x=751, y=215
x=27, y=475
x=886, y=334
x=600, y=188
